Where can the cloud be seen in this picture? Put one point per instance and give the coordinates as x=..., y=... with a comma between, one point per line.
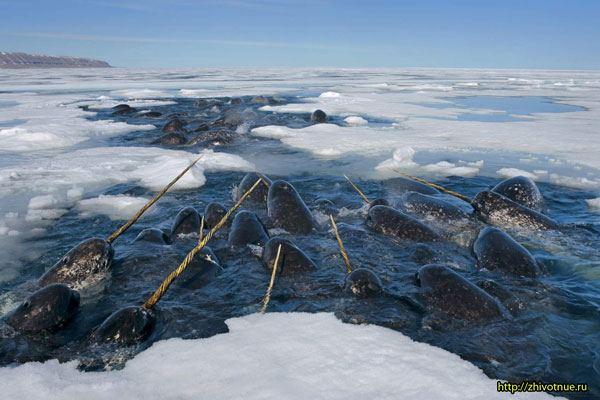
x=109, y=38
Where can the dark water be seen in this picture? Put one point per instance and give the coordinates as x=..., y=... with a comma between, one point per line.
x=552, y=334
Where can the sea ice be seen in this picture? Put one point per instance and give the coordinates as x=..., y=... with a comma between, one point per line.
x=116, y=207
x=277, y=355
x=512, y=172
x=354, y=120
x=594, y=204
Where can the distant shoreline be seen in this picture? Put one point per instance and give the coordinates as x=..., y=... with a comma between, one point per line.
x=31, y=61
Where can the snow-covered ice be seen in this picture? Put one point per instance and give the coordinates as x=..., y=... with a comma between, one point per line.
x=116, y=207
x=286, y=356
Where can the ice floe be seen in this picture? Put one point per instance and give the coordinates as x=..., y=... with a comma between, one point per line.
x=279, y=355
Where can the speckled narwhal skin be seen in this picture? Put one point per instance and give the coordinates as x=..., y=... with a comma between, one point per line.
x=247, y=229
x=127, y=326
x=186, y=221
x=450, y=292
x=83, y=266
x=292, y=260
x=287, y=210
x=259, y=194
x=496, y=251
x=428, y=206
x=522, y=190
x=501, y=211
x=47, y=309
x=363, y=283
x=390, y=221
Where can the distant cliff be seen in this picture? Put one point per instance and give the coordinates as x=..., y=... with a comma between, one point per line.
x=22, y=60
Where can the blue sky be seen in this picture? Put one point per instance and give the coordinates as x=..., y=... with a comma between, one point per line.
x=181, y=33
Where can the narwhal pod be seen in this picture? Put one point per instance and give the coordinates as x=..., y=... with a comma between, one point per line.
x=127, y=326
x=496, y=251
x=259, y=194
x=292, y=260
x=428, y=206
x=363, y=283
x=522, y=190
x=392, y=222
x=499, y=210
x=83, y=266
x=450, y=292
x=286, y=209
x=246, y=228
x=187, y=221
x=47, y=309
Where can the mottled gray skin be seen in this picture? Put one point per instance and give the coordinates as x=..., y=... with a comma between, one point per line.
x=326, y=206
x=450, y=292
x=200, y=271
x=123, y=109
x=496, y=251
x=151, y=114
x=259, y=100
x=363, y=283
x=427, y=206
x=379, y=202
x=233, y=118
x=286, y=209
x=187, y=221
x=392, y=222
x=213, y=213
x=174, y=125
x=318, y=116
x=508, y=300
x=127, y=326
x=47, y=309
x=292, y=260
x=247, y=229
x=521, y=190
x=213, y=138
x=173, y=138
x=258, y=195
x=499, y=210
x=84, y=265
x=401, y=185
x=152, y=235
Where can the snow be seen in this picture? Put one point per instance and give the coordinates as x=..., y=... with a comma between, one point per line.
x=512, y=172
x=353, y=120
x=42, y=202
x=50, y=123
x=192, y=92
x=277, y=355
x=594, y=204
x=77, y=172
x=329, y=94
x=425, y=127
x=116, y=207
x=140, y=93
x=330, y=140
x=402, y=159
